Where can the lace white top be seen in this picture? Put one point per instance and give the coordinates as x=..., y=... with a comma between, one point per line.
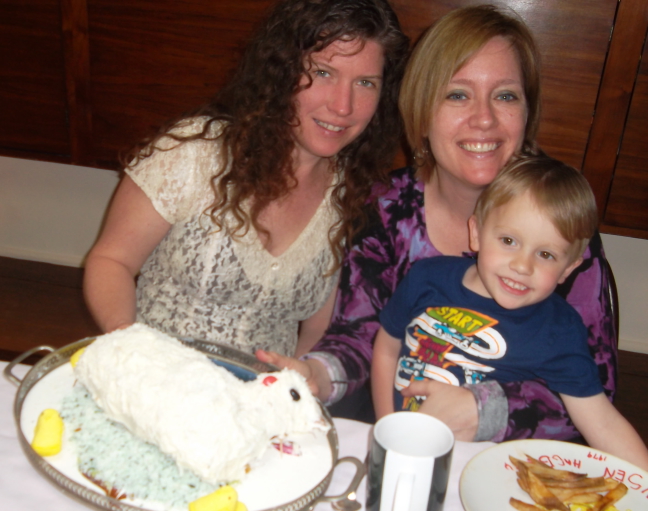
x=202, y=283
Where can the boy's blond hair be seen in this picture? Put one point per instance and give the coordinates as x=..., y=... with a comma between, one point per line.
x=558, y=190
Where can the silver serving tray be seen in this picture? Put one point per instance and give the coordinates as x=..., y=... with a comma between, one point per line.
x=232, y=357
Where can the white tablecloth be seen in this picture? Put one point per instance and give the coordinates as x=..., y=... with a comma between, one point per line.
x=23, y=489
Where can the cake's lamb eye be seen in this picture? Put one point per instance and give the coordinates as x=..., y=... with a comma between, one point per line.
x=295, y=395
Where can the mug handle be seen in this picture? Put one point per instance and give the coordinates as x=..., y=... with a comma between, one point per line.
x=347, y=499
x=403, y=493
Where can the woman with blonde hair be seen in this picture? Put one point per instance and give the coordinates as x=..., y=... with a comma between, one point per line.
x=470, y=100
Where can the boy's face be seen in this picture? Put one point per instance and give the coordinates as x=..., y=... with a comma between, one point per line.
x=522, y=256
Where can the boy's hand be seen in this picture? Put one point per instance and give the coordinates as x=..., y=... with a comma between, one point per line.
x=453, y=405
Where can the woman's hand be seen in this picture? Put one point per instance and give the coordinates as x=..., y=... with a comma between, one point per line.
x=315, y=373
x=453, y=405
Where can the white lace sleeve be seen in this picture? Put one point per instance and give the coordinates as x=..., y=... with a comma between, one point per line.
x=176, y=176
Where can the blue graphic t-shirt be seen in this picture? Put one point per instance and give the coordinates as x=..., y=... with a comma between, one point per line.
x=451, y=334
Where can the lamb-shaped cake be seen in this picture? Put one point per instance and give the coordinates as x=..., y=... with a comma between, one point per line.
x=199, y=413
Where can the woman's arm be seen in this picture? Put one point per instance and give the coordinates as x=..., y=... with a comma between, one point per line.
x=378, y=259
x=367, y=280
x=132, y=230
x=606, y=429
x=383, y=372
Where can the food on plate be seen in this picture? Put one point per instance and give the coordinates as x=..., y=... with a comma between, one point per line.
x=562, y=490
x=48, y=434
x=174, y=397
x=545, y=471
x=223, y=499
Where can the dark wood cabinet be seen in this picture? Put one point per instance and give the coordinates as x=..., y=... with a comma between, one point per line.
x=81, y=80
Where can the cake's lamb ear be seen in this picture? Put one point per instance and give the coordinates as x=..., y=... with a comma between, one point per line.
x=269, y=380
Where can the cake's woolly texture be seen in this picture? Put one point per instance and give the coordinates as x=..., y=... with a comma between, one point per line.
x=174, y=397
x=123, y=463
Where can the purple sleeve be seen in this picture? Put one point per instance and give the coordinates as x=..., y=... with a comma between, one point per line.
x=378, y=260
x=533, y=410
x=366, y=283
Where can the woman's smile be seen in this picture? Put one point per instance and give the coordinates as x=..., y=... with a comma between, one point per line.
x=479, y=147
x=328, y=126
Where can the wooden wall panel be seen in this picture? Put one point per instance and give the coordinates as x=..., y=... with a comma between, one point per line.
x=628, y=202
x=82, y=80
x=74, y=26
x=617, y=85
x=152, y=60
x=573, y=37
x=32, y=82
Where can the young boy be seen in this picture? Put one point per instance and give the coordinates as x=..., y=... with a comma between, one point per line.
x=459, y=322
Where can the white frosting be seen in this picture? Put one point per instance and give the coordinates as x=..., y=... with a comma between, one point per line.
x=174, y=397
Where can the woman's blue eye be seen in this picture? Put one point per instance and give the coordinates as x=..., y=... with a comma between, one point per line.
x=321, y=72
x=367, y=83
x=455, y=96
x=507, y=96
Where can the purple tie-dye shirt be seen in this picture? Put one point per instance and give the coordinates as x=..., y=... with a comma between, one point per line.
x=384, y=253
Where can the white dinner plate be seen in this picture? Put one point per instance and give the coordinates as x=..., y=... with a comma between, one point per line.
x=489, y=480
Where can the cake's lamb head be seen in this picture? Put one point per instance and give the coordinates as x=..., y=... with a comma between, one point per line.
x=287, y=404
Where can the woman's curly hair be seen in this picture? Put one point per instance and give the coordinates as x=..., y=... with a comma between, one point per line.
x=258, y=107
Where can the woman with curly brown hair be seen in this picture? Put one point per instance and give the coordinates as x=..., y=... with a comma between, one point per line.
x=235, y=217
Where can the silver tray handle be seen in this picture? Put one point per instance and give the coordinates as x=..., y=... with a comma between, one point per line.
x=347, y=499
x=7, y=370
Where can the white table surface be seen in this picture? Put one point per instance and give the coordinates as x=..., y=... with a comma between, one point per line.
x=24, y=489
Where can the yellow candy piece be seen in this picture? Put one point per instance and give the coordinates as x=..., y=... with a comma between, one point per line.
x=223, y=499
x=48, y=435
x=75, y=358
x=240, y=507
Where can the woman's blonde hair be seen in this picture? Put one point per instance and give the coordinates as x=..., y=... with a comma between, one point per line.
x=557, y=189
x=443, y=50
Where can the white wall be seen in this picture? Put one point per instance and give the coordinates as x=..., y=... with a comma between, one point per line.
x=628, y=259
x=51, y=212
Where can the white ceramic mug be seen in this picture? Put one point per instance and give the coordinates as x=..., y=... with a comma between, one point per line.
x=408, y=463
